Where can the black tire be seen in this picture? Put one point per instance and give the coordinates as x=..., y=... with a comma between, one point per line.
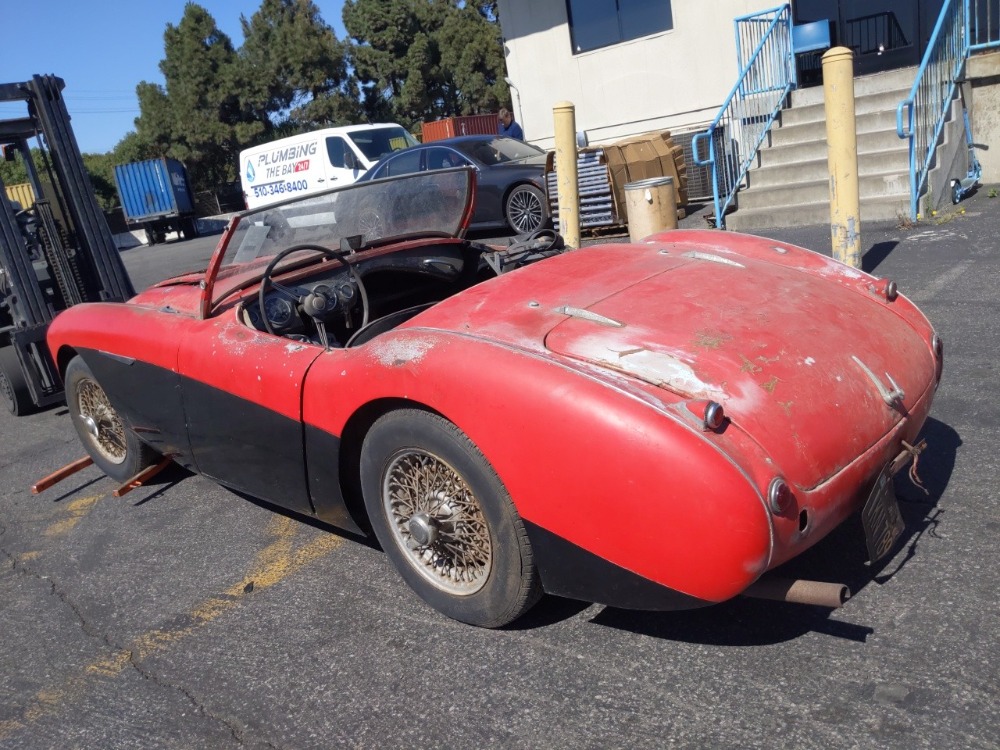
x=461, y=504
x=150, y=235
x=107, y=438
x=189, y=228
x=13, y=386
x=525, y=209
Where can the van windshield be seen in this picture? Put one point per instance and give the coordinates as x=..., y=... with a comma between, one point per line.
x=379, y=141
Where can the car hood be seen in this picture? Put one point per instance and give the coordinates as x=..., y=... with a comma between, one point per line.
x=802, y=360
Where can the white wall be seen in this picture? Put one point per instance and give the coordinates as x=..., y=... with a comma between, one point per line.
x=675, y=79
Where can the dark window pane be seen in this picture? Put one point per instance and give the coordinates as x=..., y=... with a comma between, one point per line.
x=642, y=17
x=406, y=163
x=593, y=23
x=335, y=150
x=444, y=158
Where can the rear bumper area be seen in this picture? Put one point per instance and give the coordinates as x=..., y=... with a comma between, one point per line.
x=819, y=510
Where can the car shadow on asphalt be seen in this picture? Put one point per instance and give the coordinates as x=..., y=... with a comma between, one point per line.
x=840, y=557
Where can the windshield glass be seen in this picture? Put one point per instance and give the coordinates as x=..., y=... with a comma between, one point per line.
x=377, y=142
x=366, y=214
x=498, y=150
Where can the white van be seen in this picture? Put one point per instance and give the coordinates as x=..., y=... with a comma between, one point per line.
x=316, y=161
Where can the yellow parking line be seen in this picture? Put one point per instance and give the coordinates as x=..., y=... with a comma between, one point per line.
x=77, y=509
x=273, y=564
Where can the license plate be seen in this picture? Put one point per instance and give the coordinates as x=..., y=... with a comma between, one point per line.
x=880, y=517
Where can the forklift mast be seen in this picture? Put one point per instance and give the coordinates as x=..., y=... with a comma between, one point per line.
x=54, y=254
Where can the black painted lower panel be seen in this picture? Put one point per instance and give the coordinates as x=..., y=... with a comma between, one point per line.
x=571, y=571
x=242, y=445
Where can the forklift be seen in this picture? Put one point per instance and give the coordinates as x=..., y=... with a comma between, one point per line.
x=55, y=253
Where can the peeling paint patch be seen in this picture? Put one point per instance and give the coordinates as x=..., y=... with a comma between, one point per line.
x=771, y=384
x=786, y=407
x=292, y=348
x=809, y=361
x=397, y=352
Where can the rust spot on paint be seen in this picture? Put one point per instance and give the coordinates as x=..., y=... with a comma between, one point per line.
x=771, y=384
x=748, y=366
x=710, y=340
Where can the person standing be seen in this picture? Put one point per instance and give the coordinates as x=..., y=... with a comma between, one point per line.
x=508, y=126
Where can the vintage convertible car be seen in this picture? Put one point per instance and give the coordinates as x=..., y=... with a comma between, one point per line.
x=652, y=425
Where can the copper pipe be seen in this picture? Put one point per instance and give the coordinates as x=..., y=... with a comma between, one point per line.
x=57, y=476
x=799, y=591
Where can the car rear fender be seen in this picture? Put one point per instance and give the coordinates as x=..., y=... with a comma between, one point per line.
x=611, y=472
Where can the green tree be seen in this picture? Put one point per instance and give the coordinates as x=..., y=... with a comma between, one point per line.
x=196, y=117
x=294, y=75
x=420, y=60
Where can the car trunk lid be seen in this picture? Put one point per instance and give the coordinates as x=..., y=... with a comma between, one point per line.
x=810, y=368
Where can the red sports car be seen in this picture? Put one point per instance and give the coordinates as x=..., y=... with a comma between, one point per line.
x=651, y=425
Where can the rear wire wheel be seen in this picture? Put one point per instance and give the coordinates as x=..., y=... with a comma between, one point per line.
x=114, y=446
x=446, y=521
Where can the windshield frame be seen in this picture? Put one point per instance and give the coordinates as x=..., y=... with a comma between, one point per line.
x=415, y=206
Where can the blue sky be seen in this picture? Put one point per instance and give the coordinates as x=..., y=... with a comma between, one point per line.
x=103, y=49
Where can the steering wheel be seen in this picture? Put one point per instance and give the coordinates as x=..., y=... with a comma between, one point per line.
x=315, y=303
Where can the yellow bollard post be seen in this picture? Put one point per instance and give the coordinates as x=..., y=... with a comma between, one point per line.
x=842, y=157
x=564, y=114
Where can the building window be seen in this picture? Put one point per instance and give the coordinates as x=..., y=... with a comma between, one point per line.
x=599, y=23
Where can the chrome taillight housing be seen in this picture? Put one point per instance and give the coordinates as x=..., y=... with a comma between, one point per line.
x=779, y=496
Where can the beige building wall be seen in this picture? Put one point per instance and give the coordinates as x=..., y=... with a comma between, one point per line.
x=674, y=80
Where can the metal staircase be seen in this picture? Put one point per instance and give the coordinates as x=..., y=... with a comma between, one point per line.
x=790, y=184
x=766, y=149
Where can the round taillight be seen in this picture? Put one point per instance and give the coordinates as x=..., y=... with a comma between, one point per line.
x=779, y=495
x=715, y=415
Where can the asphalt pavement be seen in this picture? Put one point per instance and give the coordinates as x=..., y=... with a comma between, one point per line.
x=182, y=615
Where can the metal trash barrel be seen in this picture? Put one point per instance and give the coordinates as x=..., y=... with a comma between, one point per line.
x=651, y=205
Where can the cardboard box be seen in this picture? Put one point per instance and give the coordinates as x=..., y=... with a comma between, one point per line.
x=641, y=157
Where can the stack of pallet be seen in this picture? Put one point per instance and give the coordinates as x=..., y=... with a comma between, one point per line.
x=596, y=200
x=603, y=172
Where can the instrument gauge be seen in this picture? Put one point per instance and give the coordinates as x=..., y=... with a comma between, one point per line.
x=279, y=311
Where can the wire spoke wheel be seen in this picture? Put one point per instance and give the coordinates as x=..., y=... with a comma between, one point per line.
x=437, y=521
x=104, y=428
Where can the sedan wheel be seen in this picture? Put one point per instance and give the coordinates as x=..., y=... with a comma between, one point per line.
x=445, y=520
x=114, y=447
x=524, y=209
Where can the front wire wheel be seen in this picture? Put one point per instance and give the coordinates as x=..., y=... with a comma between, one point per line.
x=107, y=438
x=446, y=521
x=105, y=432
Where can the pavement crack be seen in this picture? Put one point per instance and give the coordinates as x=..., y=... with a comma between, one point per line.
x=236, y=729
x=21, y=569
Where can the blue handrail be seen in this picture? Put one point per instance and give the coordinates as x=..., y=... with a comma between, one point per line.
x=926, y=108
x=767, y=75
x=963, y=27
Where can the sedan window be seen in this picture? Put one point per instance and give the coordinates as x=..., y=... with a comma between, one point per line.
x=444, y=158
x=407, y=162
